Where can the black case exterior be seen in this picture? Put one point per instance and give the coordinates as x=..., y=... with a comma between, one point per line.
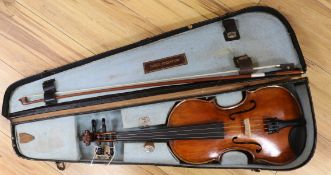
x=152, y=91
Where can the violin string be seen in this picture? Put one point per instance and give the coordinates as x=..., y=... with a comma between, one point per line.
x=165, y=137
x=224, y=127
x=192, y=130
x=250, y=119
x=256, y=131
x=114, y=153
x=257, y=118
x=174, y=129
x=227, y=125
x=170, y=138
x=253, y=128
x=180, y=132
x=241, y=125
x=184, y=137
x=184, y=134
x=188, y=134
x=94, y=156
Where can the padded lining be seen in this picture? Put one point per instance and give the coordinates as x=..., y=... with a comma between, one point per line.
x=229, y=99
x=157, y=114
x=135, y=152
x=234, y=157
x=53, y=139
x=263, y=37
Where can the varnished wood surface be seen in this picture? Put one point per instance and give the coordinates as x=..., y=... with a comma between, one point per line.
x=258, y=106
x=41, y=34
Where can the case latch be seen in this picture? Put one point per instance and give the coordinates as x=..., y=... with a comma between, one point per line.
x=49, y=92
x=231, y=31
x=244, y=63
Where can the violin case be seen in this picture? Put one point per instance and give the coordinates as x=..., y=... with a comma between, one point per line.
x=50, y=130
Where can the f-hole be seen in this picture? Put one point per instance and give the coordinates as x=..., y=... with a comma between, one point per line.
x=231, y=116
x=259, y=149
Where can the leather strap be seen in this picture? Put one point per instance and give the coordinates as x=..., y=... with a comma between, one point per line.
x=231, y=31
x=244, y=63
x=49, y=92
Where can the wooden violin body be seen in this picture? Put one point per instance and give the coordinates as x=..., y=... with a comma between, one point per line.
x=257, y=108
x=199, y=131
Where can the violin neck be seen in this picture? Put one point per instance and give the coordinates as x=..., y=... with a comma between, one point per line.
x=203, y=131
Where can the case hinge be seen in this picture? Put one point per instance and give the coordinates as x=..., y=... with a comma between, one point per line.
x=231, y=31
x=244, y=63
x=49, y=92
x=256, y=170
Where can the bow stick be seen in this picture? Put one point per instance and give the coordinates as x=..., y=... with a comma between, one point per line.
x=286, y=69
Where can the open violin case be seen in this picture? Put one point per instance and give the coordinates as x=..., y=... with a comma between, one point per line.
x=250, y=51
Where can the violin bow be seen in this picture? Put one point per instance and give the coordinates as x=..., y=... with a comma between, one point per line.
x=285, y=69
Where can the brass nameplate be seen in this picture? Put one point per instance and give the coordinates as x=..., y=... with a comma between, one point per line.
x=165, y=63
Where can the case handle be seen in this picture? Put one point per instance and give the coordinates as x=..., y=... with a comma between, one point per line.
x=60, y=165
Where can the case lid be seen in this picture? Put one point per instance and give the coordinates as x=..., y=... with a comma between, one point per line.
x=207, y=47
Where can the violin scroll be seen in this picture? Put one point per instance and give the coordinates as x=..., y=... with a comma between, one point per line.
x=88, y=137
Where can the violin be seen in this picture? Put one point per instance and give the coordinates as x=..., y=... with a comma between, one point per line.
x=200, y=131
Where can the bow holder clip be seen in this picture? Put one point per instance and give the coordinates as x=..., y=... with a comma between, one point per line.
x=244, y=63
x=49, y=92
